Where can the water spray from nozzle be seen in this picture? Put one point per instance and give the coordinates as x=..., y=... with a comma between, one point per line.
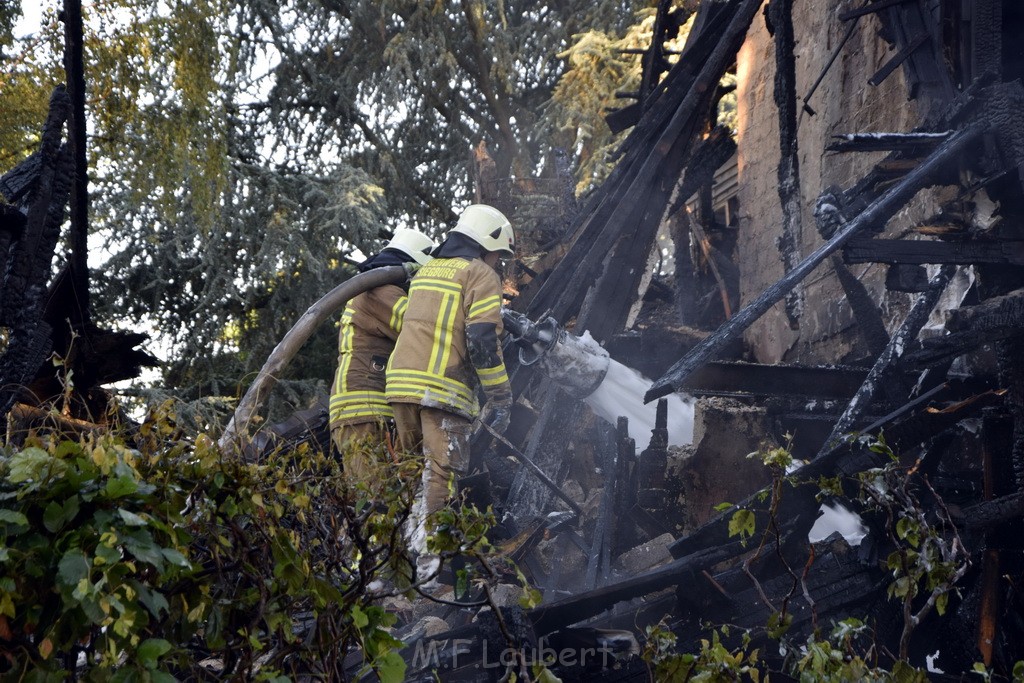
x=581, y=367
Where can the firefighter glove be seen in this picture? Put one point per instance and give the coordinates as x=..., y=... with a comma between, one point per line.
x=496, y=414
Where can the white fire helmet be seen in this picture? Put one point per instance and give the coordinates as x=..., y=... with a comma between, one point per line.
x=488, y=227
x=413, y=243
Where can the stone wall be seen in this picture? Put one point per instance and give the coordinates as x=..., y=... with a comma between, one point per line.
x=844, y=103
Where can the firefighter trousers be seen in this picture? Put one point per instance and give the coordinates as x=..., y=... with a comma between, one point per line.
x=360, y=446
x=443, y=440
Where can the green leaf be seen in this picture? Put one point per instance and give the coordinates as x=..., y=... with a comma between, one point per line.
x=120, y=487
x=151, y=650
x=940, y=603
x=390, y=668
x=140, y=544
x=68, y=448
x=742, y=524
x=107, y=555
x=722, y=507
x=154, y=600
x=53, y=517
x=71, y=507
x=175, y=557
x=73, y=567
x=130, y=518
x=778, y=624
x=34, y=464
x=359, y=618
x=13, y=518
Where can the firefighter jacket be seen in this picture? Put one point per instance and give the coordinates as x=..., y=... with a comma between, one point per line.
x=369, y=327
x=450, y=344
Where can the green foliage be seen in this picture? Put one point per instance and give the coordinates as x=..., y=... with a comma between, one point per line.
x=134, y=555
x=714, y=663
x=838, y=658
x=596, y=68
x=927, y=560
x=742, y=524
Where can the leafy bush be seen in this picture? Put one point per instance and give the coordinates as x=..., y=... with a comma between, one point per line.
x=155, y=557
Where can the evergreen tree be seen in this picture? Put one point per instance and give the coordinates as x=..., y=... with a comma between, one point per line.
x=245, y=154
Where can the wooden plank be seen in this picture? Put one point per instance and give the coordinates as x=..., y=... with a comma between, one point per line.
x=74, y=69
x=885, y=142
x=870, y=8
x=897, y=59
x=754, y=379
x=548, y=618
x=933, y=251
x=623, y=205
x=882, y=369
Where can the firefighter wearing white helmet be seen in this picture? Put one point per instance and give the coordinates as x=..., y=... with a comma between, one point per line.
x=488, y=227
x=370, y=325
x=449, y=347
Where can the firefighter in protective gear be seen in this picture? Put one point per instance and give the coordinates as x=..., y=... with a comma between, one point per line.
x=450, y=346
x=369, y=327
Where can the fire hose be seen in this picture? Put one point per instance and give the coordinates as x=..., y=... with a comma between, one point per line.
x=238, y=427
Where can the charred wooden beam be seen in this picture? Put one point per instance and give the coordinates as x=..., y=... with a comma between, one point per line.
x=991, y=513
x=877, y=213
x=884, y=366
x=986, y=26
x=837, y=583
x=851, y=29
x=753, y=379
x=936, y=350
x=870, y=8
x=548, y=618
x=625, y=201
x=784, y=92
x=46, y=204
x=17, y=183
x=30, y=260
x=1011, y=375
x=546, y=449
x=992, y=447
x=711, y=20
x=885, y=142
x=916, y=33
x=74, y=69
x=870, y=325
x=904, y=427
x=537, y=472
x=1006, y=311
x=12, y=227
x=599, y=556
x=933, y=251
x=897, y=59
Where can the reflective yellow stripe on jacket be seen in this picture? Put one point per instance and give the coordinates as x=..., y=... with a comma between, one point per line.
x=430, y=365
x=369, y=325
x=431, y=389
